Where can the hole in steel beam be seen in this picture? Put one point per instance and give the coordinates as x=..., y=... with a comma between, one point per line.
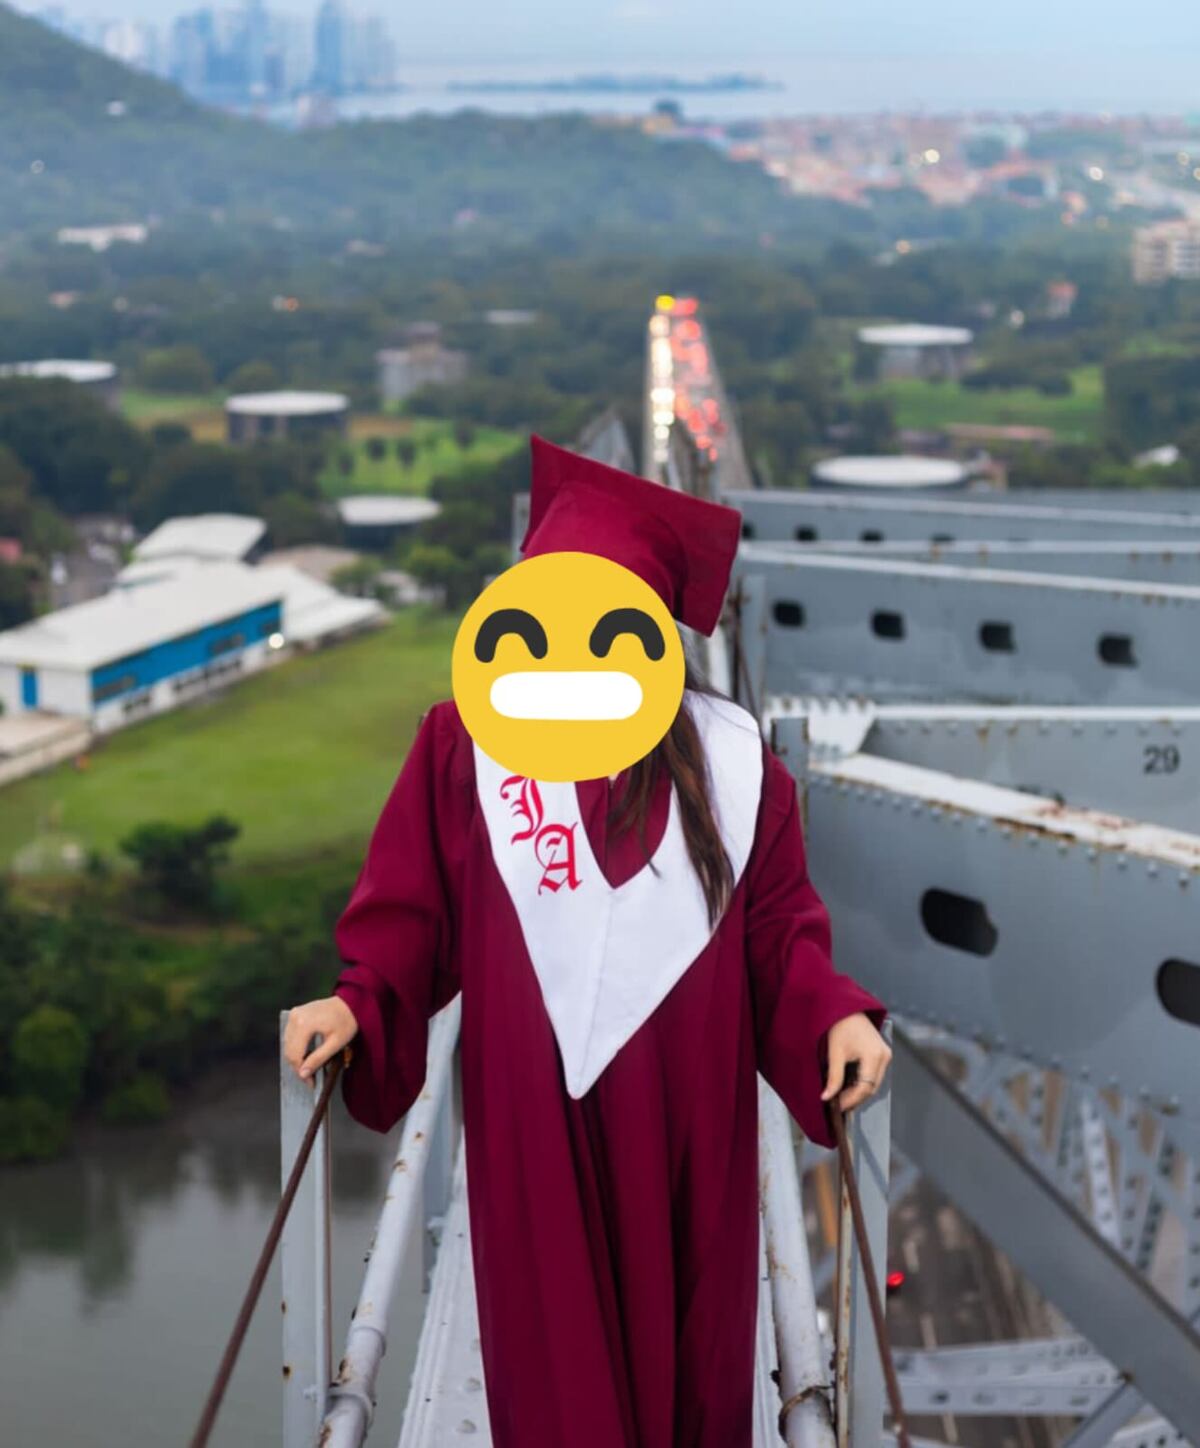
x=1178, y=986
x=887, y=625
x=788, y=614
x=747, y=529
x=870, y=535
x=1117, y=649
x=958, y=921
x=997, y=637
x=942, y=538
x=805, y=534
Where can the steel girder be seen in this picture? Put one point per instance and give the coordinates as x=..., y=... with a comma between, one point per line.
x=1066, y=937
x=1166, y=561
x=788, y=516
x=975, y=633
x=1045, y=1236
x=1055, y=1376
x=1144, y=763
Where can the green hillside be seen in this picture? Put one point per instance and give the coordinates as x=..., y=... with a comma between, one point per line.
x=85, y=140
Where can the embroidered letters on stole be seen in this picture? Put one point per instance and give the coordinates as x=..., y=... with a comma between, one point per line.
x=605, y=958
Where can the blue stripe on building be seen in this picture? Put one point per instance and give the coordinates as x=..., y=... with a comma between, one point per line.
x=29, y=688
x=185, y=655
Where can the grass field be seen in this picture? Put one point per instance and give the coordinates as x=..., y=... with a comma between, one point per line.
x=930, y=405
x=301, y=756
x=203, y=413
x=437, y=453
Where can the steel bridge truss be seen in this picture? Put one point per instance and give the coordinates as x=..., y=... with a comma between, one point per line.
x=1020, y=881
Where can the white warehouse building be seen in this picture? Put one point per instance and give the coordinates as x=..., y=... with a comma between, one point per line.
x=140, y=651
x=199, y=538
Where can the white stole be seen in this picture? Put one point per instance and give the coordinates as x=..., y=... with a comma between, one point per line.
x=606, y=958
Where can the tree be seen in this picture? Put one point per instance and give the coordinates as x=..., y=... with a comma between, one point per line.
x=376, y=449
x=182, y=368
x=436, y=566
x=50, y=1053
x=985, y=151
x=170, y=434
x=464, y=434
x=406, y=451
x=359, y=578
x=293, y=519
x=85, y=458
x=254, y=376
x=178, y=863
x=16, y=595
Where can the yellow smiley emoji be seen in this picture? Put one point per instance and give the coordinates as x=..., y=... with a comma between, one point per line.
x=568, y=666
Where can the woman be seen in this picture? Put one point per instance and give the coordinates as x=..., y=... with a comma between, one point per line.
x=614, y=1210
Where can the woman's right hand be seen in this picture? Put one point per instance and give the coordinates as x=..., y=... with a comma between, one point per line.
x=330, y=1017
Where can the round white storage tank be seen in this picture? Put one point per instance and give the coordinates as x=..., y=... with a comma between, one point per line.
x=253, y=415
x=890, y=474
x=97, y=377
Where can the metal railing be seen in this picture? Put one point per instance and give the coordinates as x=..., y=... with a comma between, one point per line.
x=337, y=1408
x=823, y=1409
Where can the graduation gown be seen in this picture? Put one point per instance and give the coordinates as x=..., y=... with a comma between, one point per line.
x=615, y=1235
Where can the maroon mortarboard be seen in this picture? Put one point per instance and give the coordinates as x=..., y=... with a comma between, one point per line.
x=683, y=547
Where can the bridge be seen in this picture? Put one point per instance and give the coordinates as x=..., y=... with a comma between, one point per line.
x=990, y=710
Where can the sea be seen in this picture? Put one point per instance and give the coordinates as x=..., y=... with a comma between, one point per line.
x=1150, y=81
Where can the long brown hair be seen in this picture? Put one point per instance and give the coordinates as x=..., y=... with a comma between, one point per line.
x=681, y=754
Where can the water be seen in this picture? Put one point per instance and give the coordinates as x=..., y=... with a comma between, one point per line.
x=122, y=1267
x=1156, y=81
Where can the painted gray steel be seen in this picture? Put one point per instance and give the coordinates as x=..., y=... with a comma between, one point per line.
x=1151, y=561
x=974, y=633
x=1013, y=921
x=1044, y=1236
x=776, y=515
x=1143, y=763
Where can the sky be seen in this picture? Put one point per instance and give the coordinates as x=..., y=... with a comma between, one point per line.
x=652, y=33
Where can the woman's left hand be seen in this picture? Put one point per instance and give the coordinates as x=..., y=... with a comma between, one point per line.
x=854, y=1038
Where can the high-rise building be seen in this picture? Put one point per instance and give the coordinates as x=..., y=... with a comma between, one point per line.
x=256, y=40
x=193, y=39
x=370, y=55
x=329, y=69
x=1167, y=249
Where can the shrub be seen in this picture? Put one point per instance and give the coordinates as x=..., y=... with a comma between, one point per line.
x=143, y=1098
x=31, y=1129
x=50, y=1052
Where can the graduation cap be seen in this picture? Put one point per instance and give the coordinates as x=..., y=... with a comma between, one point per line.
x=682, y=546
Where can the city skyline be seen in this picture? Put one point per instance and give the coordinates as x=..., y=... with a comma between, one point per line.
x=652, y=33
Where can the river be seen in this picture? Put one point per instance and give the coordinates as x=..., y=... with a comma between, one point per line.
x=123, y=1264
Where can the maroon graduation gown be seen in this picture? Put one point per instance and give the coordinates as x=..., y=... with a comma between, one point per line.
x=615, y=1236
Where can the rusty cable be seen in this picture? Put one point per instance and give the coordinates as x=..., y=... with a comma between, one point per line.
x=225, y=1370
x=868, y=1269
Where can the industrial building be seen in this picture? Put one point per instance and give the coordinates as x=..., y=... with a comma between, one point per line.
x=142, y=651
x=202, y=538
x=313, y=612
x=912, y=349
x=421, y=362
x=99, y=378
x=257, y=416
